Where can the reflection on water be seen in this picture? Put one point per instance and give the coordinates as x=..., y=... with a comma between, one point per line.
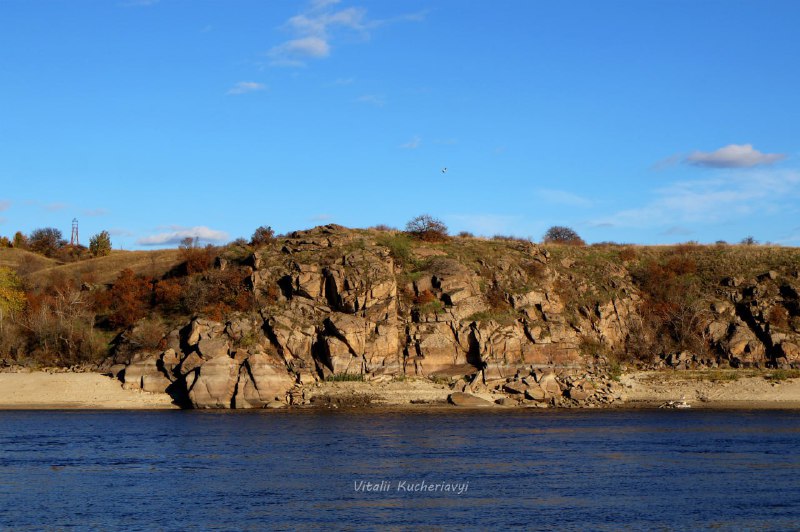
x=570, y=470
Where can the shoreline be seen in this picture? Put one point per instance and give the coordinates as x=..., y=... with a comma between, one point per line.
x=43, y=390
x=67, y=390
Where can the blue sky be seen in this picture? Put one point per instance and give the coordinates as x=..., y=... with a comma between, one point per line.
x=630, y=121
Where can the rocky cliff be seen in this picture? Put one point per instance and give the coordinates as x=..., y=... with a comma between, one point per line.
x=542, y=324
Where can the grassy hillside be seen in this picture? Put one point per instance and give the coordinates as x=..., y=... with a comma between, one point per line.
x=24, y=262
x=38, y=270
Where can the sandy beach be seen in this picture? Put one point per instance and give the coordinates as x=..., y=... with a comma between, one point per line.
x=42, y=390
x=706, y=389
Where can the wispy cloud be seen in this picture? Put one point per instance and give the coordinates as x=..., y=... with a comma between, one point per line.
x=733, y=156
x=4, y=205
x=321, y=217
x=138, y=3
x=715, y=200
x=243, y=87
x=179, y=233
x=296, y=51
x=412, y=144
x=313, y=31
x=677, y=230
x=120, y=232
x=95, y=212
x=315, y=28
x=562, y=197
x=667, y=162
x=372, y=99
x=55, y=207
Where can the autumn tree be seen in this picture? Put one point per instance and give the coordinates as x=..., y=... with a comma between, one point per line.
x=195, y=258
x=129, y=298
x=426, y=227
x=12, y=296
x=100, y=244
x=20, y=241
x=46, y=241
x=559, y=234
x=262, y=236
x=59, y=326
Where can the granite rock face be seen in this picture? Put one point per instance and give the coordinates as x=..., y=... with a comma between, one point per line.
x=341, y=303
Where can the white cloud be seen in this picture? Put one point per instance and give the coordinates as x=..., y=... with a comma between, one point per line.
x=315, y=28
x=412, y=144
x=715, y=200
x=4, y=205
x=321, y=218
x=733, y=156
x=55, y=207
x=95, y=212
x=120, y=232
x=677, y=230
x=562, y=197
x=179, y=233
x=243, y=87
x=667, y=162
x=293, y=52
x=372, y=99
x=3, y=220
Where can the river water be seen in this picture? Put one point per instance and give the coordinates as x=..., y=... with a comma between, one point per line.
x=438, y=469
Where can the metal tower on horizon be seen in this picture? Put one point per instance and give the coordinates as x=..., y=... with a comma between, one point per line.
x=73, y=240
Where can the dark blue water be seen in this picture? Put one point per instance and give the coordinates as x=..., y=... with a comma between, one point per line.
x=280, y=470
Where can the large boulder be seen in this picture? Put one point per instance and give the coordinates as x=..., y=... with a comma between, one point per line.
x=262, y=380
x=210, y=348
x=215, y=383
x=143, y=374
x=468, y=400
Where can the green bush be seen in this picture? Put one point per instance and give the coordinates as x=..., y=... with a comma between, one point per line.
x=399, y=245
x=100, y=244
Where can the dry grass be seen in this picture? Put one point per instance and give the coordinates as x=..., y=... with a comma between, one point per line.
x=105, y=269
x=24, y=262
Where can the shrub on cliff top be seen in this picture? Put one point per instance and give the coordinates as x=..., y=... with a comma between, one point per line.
x=559, y=234
x=427, y=228
x=262, y=236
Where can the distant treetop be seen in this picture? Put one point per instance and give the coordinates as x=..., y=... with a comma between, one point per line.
x=559, y=234
x=427, y=228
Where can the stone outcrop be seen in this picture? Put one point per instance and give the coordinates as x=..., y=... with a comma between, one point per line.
x=504, y=317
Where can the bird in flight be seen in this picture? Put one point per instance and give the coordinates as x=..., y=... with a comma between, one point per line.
x=444, y=170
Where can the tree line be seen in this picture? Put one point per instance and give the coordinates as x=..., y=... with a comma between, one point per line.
x=50, y=242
